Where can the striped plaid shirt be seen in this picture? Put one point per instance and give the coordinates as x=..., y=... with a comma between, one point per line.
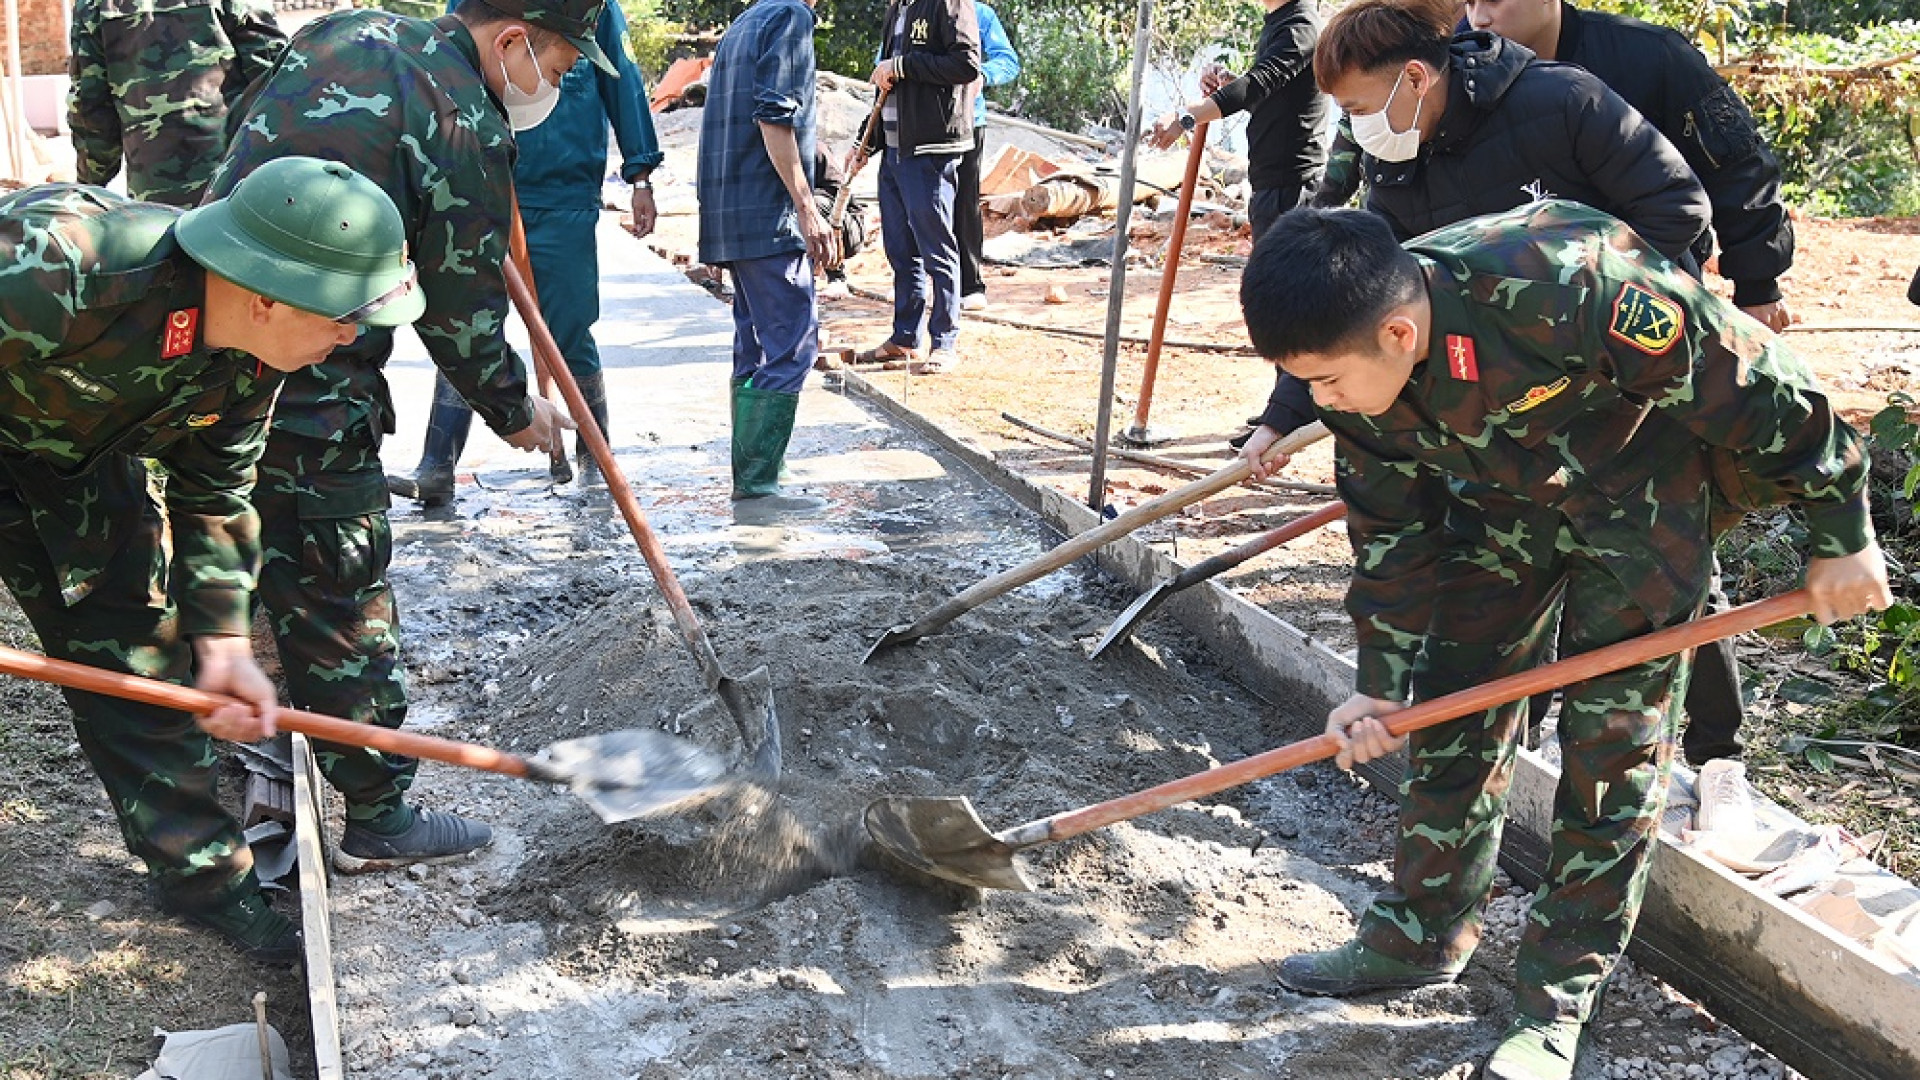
x=763, y=72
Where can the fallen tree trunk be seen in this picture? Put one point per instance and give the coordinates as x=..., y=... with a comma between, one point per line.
x=1072, y=193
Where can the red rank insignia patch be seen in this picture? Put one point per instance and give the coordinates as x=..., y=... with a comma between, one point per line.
x=177, y=339
x=1460, y=359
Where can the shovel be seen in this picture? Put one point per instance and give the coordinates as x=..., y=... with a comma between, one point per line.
x=945, y=837
x=622, y=775
x=1151, y=600
x=1091, y=540
x=749, y=700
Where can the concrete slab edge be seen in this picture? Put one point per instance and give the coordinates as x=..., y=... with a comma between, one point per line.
x=316, y=922
x=1809, y=995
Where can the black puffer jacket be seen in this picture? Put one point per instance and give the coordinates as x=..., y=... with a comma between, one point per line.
x=1518, y=129
x=939, y=61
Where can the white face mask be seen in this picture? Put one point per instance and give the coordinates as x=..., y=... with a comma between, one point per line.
x=1375, y=134
x=527, y=110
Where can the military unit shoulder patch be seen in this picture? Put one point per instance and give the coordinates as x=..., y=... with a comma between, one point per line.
x=1461, y=363
x=177, y=339
x=1646, y=320
x=1539, y=395
x=202, y=420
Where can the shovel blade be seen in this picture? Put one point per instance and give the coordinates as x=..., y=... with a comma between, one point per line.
x=624, y=775
x=1136, y=613
x=750, y=700
x=944, y=837
x=898, y=635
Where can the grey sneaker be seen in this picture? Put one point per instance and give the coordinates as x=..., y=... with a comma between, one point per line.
x=433, y=837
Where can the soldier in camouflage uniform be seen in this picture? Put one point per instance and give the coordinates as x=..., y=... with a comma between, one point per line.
x=1537, y=417
x=152, y=81
x=426, y=110
x=130, y=331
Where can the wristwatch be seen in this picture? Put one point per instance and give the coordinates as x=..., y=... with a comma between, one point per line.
x=1187, y=122
x=643, y=183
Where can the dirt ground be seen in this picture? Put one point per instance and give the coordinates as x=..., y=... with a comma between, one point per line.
x=752, y=939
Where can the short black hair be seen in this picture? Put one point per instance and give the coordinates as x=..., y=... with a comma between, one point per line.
x=1319, y=278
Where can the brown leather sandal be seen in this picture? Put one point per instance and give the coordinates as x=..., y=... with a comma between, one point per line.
x=888, y=355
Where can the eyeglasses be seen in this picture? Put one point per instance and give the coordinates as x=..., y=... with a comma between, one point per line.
x=365, y=310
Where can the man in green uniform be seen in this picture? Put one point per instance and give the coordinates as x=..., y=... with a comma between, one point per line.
x=131, y=331
x=1538, y=417
x=426, y=109
x=152, y=80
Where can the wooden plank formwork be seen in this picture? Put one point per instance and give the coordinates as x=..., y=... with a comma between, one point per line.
x=316, y=927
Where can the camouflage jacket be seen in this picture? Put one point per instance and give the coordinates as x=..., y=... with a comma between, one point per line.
x=102, y=355
x=402, y=102
x=1575, y=372
x=153, y=79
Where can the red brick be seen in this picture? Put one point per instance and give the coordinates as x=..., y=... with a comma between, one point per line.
x=43, y=38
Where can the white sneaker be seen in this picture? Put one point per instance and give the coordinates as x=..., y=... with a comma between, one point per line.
x=1726, y=802
x=974, y=302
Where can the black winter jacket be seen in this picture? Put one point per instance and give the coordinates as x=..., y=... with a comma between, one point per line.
x=938, y=65
x=1661, y=74
x=1517, y=129
x=1287, y=113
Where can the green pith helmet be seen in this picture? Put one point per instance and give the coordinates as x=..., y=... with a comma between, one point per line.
x=313, y=234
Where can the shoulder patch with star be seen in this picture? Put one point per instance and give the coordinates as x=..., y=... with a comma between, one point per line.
x=1646, y=320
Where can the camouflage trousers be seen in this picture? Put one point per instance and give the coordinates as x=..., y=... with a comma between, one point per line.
x=325, y=547
x=158, y=767
x=1493, y=616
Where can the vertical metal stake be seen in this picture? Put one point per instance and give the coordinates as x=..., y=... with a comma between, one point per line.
x=1117, y=280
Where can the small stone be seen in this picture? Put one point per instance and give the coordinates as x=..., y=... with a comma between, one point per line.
x=1056, y=294
x=418, y=871
x=100, y=910
x=421, y=1060
x=465, y=1016
x=467, y=916
x=710, y=964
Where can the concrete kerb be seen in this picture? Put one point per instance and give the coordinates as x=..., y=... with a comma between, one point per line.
x=1811, y=996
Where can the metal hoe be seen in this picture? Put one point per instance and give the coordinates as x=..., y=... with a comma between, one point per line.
x=945, y=837
x=1150, y=601
x=621, y=774
x=1091, y=540
x=749, y=700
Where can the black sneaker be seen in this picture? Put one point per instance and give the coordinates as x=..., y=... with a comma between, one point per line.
x=433, y=837
x=247, y=923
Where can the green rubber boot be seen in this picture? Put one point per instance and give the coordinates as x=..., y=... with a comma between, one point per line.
x=1354, y=969
x=762, y=426
x=1537, y=1050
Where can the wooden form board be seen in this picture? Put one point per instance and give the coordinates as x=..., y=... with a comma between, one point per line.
x=1812, y=997
x=316, y=927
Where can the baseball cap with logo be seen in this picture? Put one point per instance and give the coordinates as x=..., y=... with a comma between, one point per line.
x=571, y=19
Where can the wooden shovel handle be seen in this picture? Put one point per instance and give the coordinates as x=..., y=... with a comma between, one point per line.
x=1163, y=304
x=1524, y=684
x=1259, y=545
x=856, y=160
x=93, y=680
x=546, y=353
x=1101, y=535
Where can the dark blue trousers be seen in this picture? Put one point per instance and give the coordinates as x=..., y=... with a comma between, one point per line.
x=776, y=324
x=916, y=228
